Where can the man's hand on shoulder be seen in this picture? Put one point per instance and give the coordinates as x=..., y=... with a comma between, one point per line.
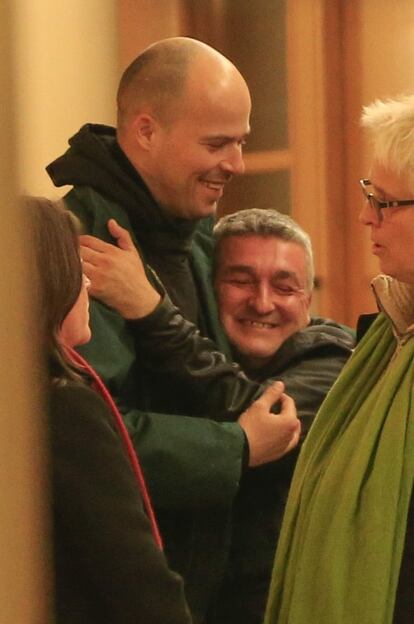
x=117, y=273
x=270, y=436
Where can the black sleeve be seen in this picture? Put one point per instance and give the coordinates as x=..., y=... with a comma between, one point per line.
x=102, y=533
x=170, y=345
x=309, y=380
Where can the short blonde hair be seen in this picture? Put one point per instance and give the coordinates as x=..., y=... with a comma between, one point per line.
x=391, y=127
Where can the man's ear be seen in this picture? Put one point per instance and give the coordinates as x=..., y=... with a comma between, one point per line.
x=144, y=127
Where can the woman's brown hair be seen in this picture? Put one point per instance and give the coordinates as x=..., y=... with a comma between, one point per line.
x=57, y=273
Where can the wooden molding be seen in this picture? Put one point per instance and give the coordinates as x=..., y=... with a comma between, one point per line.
x=316, y=140
x=260, y=162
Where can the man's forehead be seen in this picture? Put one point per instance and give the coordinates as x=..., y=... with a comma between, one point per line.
x=251, y=251
x=209, y=125
x=263, y=243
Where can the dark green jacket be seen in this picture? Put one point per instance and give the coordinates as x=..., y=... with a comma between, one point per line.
x=192, y=465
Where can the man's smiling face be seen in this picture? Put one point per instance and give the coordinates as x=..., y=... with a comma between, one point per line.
x=263, y=293
x=195, y=155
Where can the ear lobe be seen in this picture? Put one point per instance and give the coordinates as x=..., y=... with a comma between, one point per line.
x=144, y=127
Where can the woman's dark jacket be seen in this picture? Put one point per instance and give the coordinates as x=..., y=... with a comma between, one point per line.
x=108, y=568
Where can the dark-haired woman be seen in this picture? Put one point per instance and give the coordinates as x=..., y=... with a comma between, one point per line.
x=109, y=565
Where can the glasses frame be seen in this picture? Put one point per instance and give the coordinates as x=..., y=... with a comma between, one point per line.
x=379, y=205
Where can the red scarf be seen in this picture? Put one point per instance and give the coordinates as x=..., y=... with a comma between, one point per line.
x=100, y=387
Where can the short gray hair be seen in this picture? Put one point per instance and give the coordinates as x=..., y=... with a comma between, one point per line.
x=391, y=126
x=264, y=222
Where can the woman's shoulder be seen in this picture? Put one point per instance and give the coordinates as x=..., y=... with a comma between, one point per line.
x=68, y=390
x=69, y=397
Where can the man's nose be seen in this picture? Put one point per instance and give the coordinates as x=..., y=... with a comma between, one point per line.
x=262, y=300
x=233, y=162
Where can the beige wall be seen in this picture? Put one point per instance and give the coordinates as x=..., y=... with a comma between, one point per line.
x=58, y=67
x=68, y=70
x=24, y=580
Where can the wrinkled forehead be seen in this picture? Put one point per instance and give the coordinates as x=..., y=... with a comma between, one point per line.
x=261, y=254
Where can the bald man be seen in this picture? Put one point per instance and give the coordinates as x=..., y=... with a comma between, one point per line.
x=183, y=117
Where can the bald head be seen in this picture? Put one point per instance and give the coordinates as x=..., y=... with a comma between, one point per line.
x=164, y=74
x=183, y=118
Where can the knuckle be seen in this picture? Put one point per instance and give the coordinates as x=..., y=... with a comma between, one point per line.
x=260, y=402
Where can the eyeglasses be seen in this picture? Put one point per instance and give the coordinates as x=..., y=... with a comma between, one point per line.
x=379, y=205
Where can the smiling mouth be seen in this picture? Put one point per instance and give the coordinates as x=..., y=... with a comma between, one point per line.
x=259, y=324
x=214, y=186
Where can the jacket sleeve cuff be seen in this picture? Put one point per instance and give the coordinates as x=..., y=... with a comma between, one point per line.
x=156, y=319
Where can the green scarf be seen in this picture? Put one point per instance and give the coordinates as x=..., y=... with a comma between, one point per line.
x=341, y=544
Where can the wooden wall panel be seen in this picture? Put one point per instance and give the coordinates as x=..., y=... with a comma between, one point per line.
x=316, y=141
x=341, y=56
x=144, y=22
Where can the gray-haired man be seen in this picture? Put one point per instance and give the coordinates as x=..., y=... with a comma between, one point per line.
x=264, y=278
